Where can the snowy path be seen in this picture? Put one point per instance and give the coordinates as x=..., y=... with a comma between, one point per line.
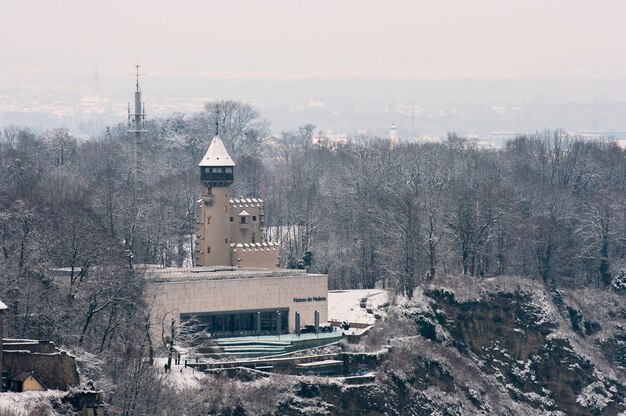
x=344, y=304
x=180, y=376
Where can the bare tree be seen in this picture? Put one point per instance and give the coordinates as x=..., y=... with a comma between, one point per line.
x=240, y=125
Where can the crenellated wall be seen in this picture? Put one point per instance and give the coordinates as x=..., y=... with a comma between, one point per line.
x=255, y=255
x=230, y=232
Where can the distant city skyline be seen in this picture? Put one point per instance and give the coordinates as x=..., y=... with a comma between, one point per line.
x=341, y=105
x=346, y=66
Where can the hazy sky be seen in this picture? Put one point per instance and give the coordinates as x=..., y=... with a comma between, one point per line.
x=291, y=38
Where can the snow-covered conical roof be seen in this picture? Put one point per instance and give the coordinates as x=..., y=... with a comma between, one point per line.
x=216, y=155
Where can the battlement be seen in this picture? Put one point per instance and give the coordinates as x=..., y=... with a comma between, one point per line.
x=255, y=246
x=241, y=202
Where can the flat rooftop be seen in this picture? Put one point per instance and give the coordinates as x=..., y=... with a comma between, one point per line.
x=190, y=274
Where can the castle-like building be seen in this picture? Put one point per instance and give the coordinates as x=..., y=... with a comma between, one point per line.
x=230, y=230
x=236, y=287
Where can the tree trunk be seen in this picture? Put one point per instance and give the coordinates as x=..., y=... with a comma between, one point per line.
x=171, y=348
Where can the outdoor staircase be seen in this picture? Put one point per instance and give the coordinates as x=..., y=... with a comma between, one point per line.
x=246, y=348
x=252, y=348
x=263, y=346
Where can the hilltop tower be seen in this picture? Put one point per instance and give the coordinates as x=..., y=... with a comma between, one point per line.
x=213, y=237
x=230, y=230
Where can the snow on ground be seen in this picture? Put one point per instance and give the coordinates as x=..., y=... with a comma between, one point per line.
x=180, y=376
x=29, y=402
x=344, y=305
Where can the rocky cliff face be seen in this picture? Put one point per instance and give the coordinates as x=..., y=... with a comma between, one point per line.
x=506, y=347
x=539, y=345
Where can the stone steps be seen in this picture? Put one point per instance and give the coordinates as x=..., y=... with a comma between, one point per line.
x=231, y=348
x=255, y=350
x=254, y=347
x=251, y=354
x=277, y=343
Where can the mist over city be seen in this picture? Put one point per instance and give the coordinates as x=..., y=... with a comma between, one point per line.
x=349, y=68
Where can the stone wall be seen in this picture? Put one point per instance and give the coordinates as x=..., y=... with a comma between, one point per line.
x=31, y=345
x=244, y=232
x=213, y=229
x=263, y=255
x=56, y=371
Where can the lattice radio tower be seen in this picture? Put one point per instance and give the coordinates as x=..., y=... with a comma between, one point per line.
x=136, y=124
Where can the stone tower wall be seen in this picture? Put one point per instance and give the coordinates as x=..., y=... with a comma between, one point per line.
x=213, y=234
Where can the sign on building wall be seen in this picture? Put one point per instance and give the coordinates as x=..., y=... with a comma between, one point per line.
x=311, y=299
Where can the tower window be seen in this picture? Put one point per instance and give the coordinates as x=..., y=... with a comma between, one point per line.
x=228, y=170
x=226, y=241
x=208, y=250
x=254, y=218
x=242, y=220
x=232, y=219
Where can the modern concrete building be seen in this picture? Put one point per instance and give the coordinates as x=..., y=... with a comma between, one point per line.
x=238, y=301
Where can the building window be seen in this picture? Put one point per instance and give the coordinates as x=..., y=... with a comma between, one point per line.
x=242, y=220
x=231, y=219
x=208, y=250
x=226, y=241
x=249, y=322
x=254, y=218
x=208, y=220
x=228, y=170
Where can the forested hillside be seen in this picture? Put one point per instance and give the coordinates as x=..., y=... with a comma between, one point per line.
x=548, y=207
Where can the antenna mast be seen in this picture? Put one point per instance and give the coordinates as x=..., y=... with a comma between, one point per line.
x=217, y=118
x=136, y=123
